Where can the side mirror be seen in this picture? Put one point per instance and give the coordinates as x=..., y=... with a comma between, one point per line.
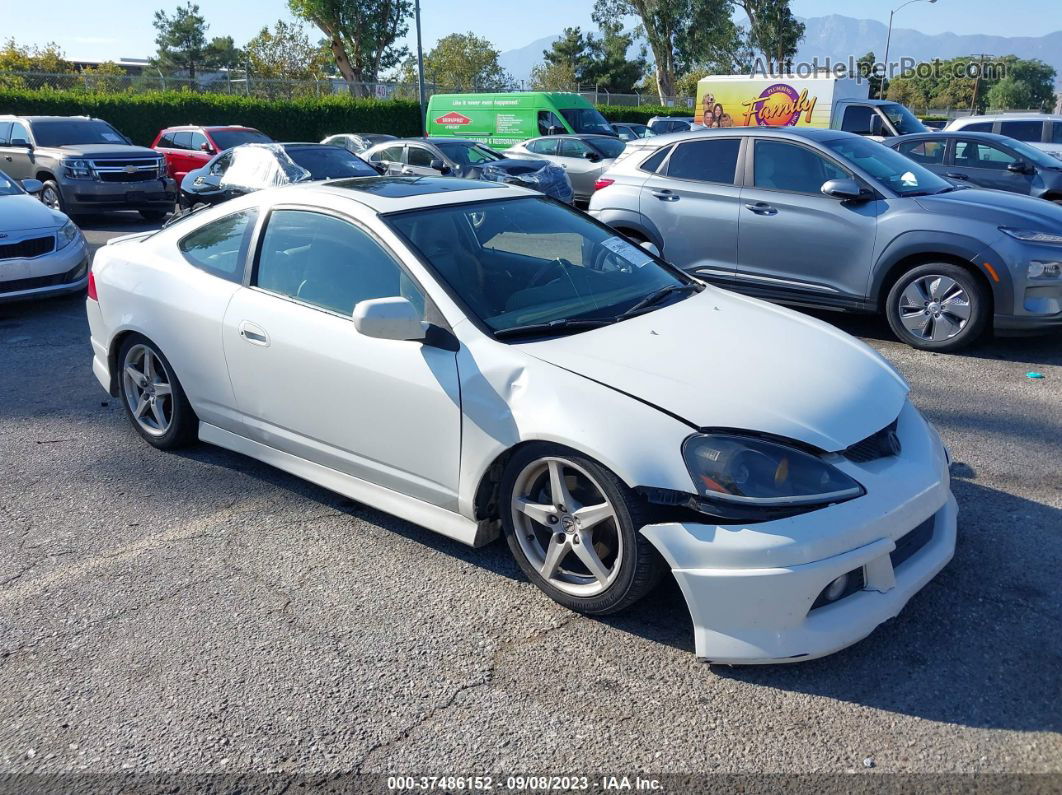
x=439, y=166
x=206, y=147
x=593, y=157
x=554, y=130
x=388, y=319
x=21, y=142
x=33, y=186
x=843, y=189
x=651, y=248
x=1018, y=167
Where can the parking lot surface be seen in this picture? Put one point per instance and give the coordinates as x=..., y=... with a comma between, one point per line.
x=203, y=612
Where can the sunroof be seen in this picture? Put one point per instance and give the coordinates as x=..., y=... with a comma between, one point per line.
x=400, y=187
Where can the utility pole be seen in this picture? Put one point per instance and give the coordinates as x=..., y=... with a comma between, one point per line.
x=977, y=84
x=420, y=73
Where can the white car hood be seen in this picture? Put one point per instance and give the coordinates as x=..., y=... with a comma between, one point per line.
x=721, y=360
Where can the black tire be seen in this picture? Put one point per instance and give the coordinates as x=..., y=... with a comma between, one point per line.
x=968, y=295
x=639, y=568
x=183, y=428
x=154, y=215
x=50, y=189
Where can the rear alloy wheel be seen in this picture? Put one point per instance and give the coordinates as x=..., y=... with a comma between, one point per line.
x=572, y=527
x=153, y=397
x=938, y=307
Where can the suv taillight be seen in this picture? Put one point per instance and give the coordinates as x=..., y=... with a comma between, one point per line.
x=92, y=287
x=603, y=183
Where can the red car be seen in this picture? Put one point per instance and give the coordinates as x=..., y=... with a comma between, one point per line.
x=190, y=147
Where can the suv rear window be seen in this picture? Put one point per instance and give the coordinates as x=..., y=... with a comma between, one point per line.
x=653, y=163
x=707, y=161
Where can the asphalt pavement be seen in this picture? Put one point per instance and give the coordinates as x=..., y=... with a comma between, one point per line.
x=203, y=612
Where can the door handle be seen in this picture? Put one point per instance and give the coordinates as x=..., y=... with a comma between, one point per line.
x=665, y=195
x=956, y=176
x=408, y=172
x=255, y=335
x=761, y=208
x=7, y=158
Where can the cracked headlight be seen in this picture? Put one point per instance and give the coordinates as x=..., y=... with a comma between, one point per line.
x=752, y=472
x=67, y=235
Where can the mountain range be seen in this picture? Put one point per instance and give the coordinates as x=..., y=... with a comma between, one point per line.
x=839, y=37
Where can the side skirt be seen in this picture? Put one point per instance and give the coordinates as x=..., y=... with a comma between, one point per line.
x=432, y=517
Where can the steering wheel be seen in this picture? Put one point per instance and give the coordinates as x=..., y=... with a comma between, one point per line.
x=540, y=275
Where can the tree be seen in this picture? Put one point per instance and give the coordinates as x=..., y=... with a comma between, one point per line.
x=670, y=26
x=465, y=62
x=106, y=78
x=361, y=34
x=575, y=53
x=1002, y=82
x=774, y=31
x=611, y=68
x=48, y=59
x=183, y=46
x=865, y=70
x=285, y=52
x=553, y=77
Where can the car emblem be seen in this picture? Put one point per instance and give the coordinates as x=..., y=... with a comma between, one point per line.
x=453, y=117
x=130, y=169
x=3, y=235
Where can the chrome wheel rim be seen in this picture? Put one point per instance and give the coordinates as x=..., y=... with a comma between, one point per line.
x=935, y=308
x=148, y=390
x=566, y=527
x=50, y=197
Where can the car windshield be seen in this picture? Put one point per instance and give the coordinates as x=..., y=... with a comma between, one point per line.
x=903, y=120
x=8, y=186
x=531, y=262
x=897, y=172
x=467, y=154
x=226, y=139
x=330, y=162
x=67, y=132
x=608, y=147
x=586, y=120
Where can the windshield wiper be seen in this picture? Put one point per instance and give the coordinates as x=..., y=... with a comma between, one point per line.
x=561, y=326
x=656, y=298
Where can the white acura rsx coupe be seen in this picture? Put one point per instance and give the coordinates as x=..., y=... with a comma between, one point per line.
x=471, y=356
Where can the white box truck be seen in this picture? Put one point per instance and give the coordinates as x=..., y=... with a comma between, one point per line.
x=839, y=103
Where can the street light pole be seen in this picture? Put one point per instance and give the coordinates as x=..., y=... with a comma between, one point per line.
x=420, y=73
x=888, y=41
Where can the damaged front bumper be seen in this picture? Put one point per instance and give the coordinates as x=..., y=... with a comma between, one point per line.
x=756, y=592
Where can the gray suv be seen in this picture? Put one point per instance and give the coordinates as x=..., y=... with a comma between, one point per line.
x=86, y=165
x=827, y=218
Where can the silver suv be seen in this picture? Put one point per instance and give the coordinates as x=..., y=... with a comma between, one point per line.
x=831, y=219
x=86, y=165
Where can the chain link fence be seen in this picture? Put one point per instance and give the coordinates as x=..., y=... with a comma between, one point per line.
x=239, y=83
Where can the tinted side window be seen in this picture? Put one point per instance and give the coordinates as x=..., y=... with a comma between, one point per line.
x=927, y=152
x=781, y=166
x=391, y=153
x=328, y=262
x=857, y=119
x=166, y=141
x=978, y=155
x=572, y=147
x=418, y=156
x=1023, y=130
x=708, y=161
x=546, y=147
x=979, y=126
x=218, y=247
x=547, y=119
x=197, y=141
x=18, y=132
x=182, y=140
x=653, y=163
x=5, y=132
x=1055, y=137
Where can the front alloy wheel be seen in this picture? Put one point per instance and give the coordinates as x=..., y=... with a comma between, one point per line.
x=938, y=307
x=51, y=197
x=572, y=527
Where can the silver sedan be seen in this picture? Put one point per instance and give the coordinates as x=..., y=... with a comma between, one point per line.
x=583, y=157
x=42, y=252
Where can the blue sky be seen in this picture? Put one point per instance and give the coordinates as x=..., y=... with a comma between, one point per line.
x=118, y=28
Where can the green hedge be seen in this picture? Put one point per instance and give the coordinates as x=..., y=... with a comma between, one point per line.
x=141, y=116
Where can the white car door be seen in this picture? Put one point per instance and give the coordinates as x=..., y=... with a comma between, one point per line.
x=306, y=382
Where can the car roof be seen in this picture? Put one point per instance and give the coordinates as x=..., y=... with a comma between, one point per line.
x=806, y=133
x=209, y=127
x=48, y=118
x=391, y=194
x=967, y=136
x=1008, y=117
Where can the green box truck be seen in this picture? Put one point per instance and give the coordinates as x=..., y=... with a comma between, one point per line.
x=501, y=120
